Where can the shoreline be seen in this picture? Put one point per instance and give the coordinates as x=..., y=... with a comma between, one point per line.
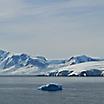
x=44, y=76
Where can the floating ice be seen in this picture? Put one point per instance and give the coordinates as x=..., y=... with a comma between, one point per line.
x=51, y=87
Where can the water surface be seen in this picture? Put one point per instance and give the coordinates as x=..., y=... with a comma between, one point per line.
x=77, y=90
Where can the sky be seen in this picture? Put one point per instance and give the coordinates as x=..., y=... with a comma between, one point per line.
x=52, y=28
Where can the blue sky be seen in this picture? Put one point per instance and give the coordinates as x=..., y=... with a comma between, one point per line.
x=52, y=28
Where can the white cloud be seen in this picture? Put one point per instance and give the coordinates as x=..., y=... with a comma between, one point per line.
x=51, y=27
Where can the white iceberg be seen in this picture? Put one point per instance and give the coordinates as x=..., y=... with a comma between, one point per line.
x=51, y=87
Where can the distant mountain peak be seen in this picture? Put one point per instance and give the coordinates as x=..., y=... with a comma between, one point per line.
x=41, y=57
x=24, y=64
x=81, y=58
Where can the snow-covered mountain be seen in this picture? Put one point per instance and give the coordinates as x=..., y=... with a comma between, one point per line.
x=78, y=66
x=82, y=69
x=23, y=64
x=82, y=59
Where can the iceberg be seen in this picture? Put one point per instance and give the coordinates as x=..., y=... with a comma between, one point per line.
x=51, y=87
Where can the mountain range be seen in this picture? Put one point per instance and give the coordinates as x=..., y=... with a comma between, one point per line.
x=23, y=64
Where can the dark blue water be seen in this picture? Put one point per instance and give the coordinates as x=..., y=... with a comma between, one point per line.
x=23, y=90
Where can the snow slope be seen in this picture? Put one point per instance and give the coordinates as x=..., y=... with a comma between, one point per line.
x=23, y=64
x=82, y=69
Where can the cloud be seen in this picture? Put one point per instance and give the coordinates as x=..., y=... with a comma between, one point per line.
x=51, y=26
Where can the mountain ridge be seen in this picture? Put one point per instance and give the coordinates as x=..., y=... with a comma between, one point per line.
x=22, y=64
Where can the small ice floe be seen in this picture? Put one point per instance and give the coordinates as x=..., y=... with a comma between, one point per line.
x=51, y=87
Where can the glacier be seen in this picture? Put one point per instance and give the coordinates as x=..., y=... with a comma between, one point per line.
x=23, y=64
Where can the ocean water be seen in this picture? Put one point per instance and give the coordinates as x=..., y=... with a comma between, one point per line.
x=76, y=90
